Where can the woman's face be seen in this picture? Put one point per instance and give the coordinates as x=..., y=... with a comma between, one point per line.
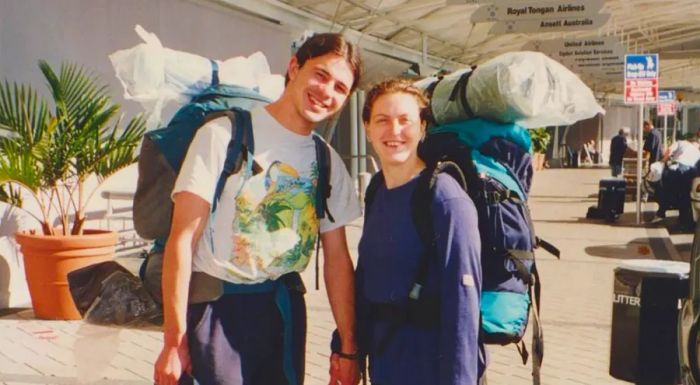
x=395, y=128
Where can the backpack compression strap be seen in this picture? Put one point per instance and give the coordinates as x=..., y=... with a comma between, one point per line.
x=532, y=278
x=214, y=72
x=537, y=333
x=460, y=89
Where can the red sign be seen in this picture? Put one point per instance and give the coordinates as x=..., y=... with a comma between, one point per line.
x=666, y=109
x=641, y=90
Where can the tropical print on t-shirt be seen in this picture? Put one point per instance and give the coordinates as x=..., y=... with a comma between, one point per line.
x=275, y=229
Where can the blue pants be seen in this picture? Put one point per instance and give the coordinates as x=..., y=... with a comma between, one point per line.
x=238, y=339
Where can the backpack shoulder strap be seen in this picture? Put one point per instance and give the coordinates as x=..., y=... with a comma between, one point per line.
x=241, y=138
x=371, y=191
x=323, y=191
x=421, y=212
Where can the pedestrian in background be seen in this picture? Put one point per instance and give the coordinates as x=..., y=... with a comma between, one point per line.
x=618, y=146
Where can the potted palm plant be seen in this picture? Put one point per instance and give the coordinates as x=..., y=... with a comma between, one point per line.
x=540, y=140
x=59, y=154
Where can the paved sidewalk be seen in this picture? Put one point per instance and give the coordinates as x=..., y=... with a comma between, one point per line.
x=576, y=306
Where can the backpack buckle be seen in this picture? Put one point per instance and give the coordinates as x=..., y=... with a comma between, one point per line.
x=492, y=197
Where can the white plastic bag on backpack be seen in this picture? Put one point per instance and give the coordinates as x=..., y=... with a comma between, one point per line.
x=154, y=76
x=530, y=89
x=656, y=171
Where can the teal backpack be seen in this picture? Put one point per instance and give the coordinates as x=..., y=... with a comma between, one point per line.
x=163, y=151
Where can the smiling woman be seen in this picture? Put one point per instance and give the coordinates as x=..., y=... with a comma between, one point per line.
x=415, y=333
x=393, y=115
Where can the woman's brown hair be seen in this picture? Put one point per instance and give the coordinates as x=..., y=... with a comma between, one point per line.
x=394, y=86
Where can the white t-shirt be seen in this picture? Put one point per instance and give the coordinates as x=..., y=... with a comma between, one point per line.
x=265, y=225
x=684, y=152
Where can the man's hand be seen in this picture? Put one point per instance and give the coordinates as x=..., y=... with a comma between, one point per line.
x=344, y=371
x=190, y=213
x=171, y=363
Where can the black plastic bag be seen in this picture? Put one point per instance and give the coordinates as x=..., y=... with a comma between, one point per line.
x=108, y=294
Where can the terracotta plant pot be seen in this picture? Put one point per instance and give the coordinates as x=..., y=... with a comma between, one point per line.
x=538, y=161
x=49, y=259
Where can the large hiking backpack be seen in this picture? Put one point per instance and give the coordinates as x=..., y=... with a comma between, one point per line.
x=163, y=151
x=496, y=163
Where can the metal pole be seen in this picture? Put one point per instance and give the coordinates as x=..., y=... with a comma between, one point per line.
x=363, y=135
x=640, y=137
x=354, y=129
x=665, y=128
x=684, y=122
x=675, y=128
x=599, y=142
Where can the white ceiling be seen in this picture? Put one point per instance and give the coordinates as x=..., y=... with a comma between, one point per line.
x=449, y=38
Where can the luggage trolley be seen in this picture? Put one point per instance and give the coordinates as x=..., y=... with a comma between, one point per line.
x=629, y=174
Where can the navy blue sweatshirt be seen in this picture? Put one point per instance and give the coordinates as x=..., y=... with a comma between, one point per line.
x=389, y=252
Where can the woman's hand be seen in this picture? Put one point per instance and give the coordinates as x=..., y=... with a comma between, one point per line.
x=344, y=371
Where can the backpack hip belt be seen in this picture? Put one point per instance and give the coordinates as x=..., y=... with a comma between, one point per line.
x=422, y=313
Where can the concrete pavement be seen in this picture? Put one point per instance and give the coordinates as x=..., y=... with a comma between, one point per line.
x=576, y=305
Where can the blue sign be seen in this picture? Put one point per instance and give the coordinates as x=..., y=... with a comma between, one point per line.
x=667, y=96
x=642, y=66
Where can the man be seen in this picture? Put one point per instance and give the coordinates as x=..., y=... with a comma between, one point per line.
x=618, y=146
x=253, y=331
x=680, y=158
x=652, y=142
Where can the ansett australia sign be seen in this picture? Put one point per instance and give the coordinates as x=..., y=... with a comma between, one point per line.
x=550, y=25
x=537, y=10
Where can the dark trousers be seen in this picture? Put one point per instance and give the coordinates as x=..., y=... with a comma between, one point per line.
x=674, y=191
x=238, y=340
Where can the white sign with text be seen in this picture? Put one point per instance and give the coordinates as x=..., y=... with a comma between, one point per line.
x=535, y=10
x=550, y=25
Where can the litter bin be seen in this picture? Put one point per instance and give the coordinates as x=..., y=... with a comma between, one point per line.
x=643, y=344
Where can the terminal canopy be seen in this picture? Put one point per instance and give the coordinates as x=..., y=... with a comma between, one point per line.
x=590, y=37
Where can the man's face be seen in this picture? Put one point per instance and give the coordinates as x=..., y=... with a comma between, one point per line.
x=647, y=127
x=320, y=87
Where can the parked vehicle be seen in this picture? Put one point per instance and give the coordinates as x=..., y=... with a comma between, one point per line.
x=689, y=317
x=695, y=198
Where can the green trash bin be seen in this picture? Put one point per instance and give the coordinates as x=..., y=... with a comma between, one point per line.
x=643, y=343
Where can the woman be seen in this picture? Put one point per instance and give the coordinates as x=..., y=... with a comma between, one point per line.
x=439, y=347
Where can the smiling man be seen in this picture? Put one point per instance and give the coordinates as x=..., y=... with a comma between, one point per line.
x=243, y=319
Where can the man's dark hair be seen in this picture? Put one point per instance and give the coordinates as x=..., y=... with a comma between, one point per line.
x=324, y=43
